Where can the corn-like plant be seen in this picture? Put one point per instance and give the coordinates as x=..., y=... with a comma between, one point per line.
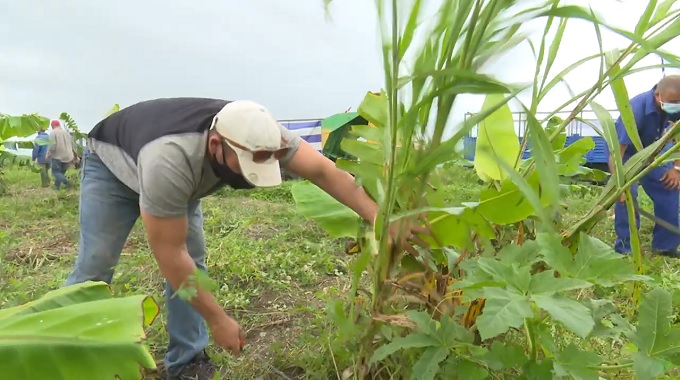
x=424, y=317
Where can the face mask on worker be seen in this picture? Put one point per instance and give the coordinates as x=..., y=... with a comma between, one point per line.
x=670, y=108
x=225, y=174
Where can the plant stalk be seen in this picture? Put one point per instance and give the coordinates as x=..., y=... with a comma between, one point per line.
x=530, y=330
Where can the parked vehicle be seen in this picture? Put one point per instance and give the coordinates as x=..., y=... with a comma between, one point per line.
x=579, y=128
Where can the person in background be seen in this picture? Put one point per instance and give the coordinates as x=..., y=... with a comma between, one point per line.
x=61, y=153
x=39, y=157
x=654, y=111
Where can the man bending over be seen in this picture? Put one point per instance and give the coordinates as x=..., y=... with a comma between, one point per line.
x=157, y=159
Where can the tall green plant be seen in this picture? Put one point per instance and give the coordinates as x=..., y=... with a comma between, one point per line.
x=473, y=285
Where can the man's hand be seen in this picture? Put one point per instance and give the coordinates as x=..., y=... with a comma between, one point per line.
x=227, y=334
x=404, y=232
x=671, y=179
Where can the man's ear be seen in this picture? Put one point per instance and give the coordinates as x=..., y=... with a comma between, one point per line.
x=213, y=142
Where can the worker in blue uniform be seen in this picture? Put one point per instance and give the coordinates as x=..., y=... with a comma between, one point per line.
x=654, y=110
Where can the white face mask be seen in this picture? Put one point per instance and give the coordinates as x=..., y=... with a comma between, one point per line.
x=670, y=108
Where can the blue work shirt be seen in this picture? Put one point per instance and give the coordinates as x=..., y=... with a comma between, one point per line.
x=651, y=122
x=39, y=151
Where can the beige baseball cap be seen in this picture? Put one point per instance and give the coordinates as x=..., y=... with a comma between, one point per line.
x=255, y=135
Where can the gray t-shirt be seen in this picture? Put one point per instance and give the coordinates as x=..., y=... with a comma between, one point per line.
x=158, y=149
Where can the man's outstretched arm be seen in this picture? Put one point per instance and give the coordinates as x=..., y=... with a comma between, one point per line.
x=312, y=165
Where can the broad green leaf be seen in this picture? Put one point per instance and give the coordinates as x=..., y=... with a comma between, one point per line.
x=428, y=365
x=21, y=126
x=105, y=335
x=374, y=109
x=646, y=367
x=335, y=310
x=468, y=370
x=522, y=255
x=365, y=174
x=547, y=284
x=533, y=196
x=451, y=333
x=413, y=340
x=60, y=297
x=607, y=323
x=506, y=272
x=553, y=129
x=654, y=337
x=594, y=261
x=571, y=157
x=575, y=316
x=509, y=204
x=505, y=355
x=538, y=370
x=335, y=218
x=367, y=132
x=452, y=225
x=504, y=309
x=577, y=364
x=496, y=141
x=424, y=322
x=620, y=91
x=598, y=263
x=366, y=152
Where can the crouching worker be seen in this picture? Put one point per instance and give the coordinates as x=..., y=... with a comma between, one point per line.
x=157, y=159
x=654, y=111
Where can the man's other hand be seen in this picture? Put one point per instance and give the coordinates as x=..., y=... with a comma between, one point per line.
x=404, y=232
x=227, y=334
x=671, y=179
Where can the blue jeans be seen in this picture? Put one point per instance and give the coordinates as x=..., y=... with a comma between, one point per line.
x=666, y=207
x=59, y=172
x=108, y=211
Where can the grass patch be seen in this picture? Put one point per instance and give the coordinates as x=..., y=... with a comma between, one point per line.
x=274, y=269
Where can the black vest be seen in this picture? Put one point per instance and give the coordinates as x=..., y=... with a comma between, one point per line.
x=137, y=125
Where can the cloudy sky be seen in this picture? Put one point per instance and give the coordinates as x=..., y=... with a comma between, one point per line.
x=84, y=56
